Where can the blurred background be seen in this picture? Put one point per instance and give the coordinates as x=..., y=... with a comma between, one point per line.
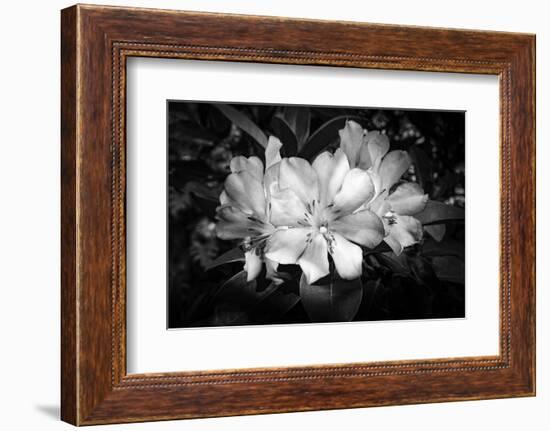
x=426, y=281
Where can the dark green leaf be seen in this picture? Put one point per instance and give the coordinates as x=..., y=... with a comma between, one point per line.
x=244, y=123
x=243, y=294
x=325, y=135
x=203, y=191
x=226, y=316
x=437, y=231
x=422, y=271
x=203, y=197
x=285, y=134
x=298, y=118
x=265, y=306
x=423, y=167
x=186, y=171
x=397, y=264
x=444, y=248
x=275, y=305
x=237, y=281
x=237, y=299
x=192, y=135
x=380, y=248
x=337, y=301
x=233, y=255
x=438, y=212
x=369, y=293
x=207, y=206
x=449, y=268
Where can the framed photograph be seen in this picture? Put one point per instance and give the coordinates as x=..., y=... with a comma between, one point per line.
x=310, y=256
x=268, y=215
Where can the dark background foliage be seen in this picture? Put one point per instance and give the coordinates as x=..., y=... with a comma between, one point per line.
x=426, y=281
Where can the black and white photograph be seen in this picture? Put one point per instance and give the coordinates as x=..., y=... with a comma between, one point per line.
x=292, y=214
x=275, y=215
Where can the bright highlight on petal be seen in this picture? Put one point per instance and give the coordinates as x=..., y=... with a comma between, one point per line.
x=287, y=245
x=375, y=146
x=287, y=209
x=253, y=165
x=272, y=152
x=348, y=257
x=314, y=260
x=245, y=189
x=252, y=264
x=297, y=175
x=393, y=166
x=363, y=227
x=224, y=199
x=357, y=188
x=408, y=199
x=271, y=271
x=271, y=179
x=331, y=171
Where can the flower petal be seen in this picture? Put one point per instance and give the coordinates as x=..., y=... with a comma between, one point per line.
x=224, y=199
x=247, y=192
x=393, y=166
x=363, y=158
x=271, y=271
x=363, y=227
x=297, y=175
x=271, y=179
x=378, y=196
x=348, y=257
x=351, y=140
x=253, y=165
x=331, y=171
x=287, y=245
x=375, y=146
x=235, y=224
x=357, y=188
x=408, y=199
x=405, y=231
x=377, y=181
x=287, y=209
x=380, y=207
x=272, y=152
x=314, y=260
x=252, y=264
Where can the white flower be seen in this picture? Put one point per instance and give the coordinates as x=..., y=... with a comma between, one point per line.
x=294, y=212
x=314, y=207
x=395, y=206
x=244, y=212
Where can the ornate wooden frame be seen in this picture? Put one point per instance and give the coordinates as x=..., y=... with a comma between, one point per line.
x=95, y=43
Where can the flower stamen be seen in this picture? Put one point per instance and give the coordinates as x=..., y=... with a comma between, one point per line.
x=391, y=217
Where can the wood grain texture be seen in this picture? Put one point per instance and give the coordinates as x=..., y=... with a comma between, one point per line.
x=96, y=41
x=69, y=330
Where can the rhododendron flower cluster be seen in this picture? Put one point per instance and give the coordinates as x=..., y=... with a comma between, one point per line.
x=291, y=211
